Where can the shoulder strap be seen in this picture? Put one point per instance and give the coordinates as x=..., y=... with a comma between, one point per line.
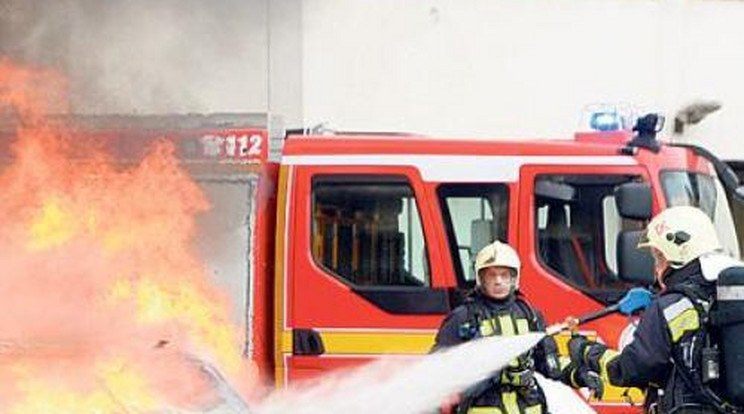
x=475, y=311
x=690, y=292
x=526, y=306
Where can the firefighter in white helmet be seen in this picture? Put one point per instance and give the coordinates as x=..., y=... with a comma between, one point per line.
x=676, y=237
x=497, y=308
x=672, y=339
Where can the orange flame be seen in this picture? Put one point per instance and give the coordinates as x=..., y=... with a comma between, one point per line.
x=104, y=301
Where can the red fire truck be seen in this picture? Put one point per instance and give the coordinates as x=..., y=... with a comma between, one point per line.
x=339, y=247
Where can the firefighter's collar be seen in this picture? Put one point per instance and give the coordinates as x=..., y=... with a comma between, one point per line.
x=713, y=264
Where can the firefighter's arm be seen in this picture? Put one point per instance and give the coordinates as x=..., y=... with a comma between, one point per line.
x=582, y=377
x=550, y=364
x=546, y=354
x=450, y=332
x=645, y=359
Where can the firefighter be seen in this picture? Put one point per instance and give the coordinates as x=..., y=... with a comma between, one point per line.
x=497, y=308
x=666, y=356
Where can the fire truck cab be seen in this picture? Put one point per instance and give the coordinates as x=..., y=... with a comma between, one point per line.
x=376, y=235
x=338, y=248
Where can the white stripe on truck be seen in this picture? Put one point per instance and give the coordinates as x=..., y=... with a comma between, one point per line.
x=460, y=168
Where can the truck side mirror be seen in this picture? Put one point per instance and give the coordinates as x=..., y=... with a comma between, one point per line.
x=633, y=201
x=634, y=265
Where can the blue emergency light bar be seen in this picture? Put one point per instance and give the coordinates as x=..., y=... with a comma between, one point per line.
x=607, y=118
x=606, y=121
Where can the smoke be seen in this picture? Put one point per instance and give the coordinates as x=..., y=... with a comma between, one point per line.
x=145, y=56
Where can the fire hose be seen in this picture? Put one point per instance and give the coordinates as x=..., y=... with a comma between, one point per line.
x=636, y=300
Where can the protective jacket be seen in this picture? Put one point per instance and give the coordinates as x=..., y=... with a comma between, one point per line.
x=514, y=389
x=664, y=355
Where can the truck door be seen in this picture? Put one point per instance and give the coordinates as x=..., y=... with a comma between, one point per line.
x=569, y=228
x=362, y=274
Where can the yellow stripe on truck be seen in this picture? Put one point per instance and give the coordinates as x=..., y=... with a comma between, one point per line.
x=280, y=339
x=377, y=343
x=287, y=343
x=369, y=343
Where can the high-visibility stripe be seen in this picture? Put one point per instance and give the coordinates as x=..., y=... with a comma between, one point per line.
x=510, y=402
x=484, y=410
x=487, y=327
x=522, y=326
x=506, y=323
x=511, y=378
x=604, y=360
x=507, y=326
x=534, y=409
x=684, y=322
x=574, y=380
x=730, y=292
x=675, y=309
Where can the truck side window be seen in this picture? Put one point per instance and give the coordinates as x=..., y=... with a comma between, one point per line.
x=577, y=229
x=475, y=215
x=685, y=188
x=367, y=231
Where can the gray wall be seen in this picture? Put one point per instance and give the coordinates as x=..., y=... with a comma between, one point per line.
x=460, y=68
x=520, y=68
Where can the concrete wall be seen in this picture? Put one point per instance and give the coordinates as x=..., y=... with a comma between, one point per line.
x=520, y=69
x=286, y=60
x=457, y=67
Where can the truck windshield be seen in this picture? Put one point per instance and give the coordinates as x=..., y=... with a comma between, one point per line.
x=685, y=188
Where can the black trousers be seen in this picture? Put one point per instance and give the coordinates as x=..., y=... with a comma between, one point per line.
x=692, y=409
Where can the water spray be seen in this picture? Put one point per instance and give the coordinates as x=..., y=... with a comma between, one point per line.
x=402, y=385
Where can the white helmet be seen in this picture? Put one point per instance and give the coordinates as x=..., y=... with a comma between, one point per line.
x=497, y=254
x=681, y=234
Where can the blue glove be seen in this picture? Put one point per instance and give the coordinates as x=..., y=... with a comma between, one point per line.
x=635, y=300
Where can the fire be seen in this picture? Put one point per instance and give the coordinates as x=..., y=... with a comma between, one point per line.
x=117, y=385
x=106, y=307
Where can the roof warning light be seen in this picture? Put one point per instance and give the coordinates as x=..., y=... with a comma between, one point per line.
x=607, y=117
